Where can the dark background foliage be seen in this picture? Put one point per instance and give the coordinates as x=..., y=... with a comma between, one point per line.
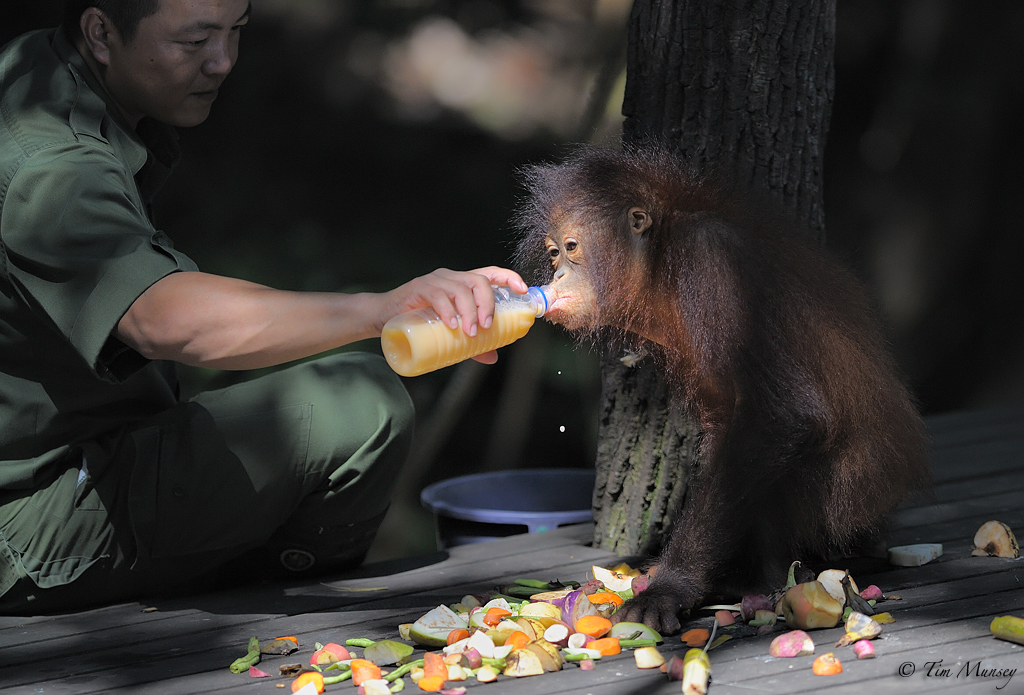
x=358, y=144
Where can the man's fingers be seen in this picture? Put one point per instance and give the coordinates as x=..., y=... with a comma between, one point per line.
x=503, y=277
x=458, y=296
x=495, y=276
x=472, y=296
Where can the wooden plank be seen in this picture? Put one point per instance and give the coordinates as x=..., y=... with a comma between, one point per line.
x=973, y=487
x=978, y=422
x=16, y=621
x=963, y=588
x=957, y=530
x=362, y=577
x=224, y=634
x=972, y=426
x=956, y=563
x=989, y=504
x=505, y=552
x=121, y=617
x=273, y=598
x=977, y=444
x=976, y=460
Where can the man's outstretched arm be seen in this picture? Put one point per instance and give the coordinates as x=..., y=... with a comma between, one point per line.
x=213, y=321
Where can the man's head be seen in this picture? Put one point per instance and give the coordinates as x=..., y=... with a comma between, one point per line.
x=164, y=59
x=123, y=14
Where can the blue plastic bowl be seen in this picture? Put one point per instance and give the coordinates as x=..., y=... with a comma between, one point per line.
x=517, y=501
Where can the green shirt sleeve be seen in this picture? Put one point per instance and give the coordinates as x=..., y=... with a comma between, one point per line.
x=79, y=244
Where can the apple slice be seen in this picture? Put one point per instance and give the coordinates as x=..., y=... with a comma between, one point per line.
x=616, y=581
x=432, y=629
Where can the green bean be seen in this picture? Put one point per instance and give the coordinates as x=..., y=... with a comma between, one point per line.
x=521, y=592
x=252, y=658
x=403, y=669
x=331, y=680
x=398, y=686
x=359, y=642
x=533, y=583
x=634, y=643
x=578, y=657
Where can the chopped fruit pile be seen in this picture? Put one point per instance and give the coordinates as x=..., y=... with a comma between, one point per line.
x=532, y=627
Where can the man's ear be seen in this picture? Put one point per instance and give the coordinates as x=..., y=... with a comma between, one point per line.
x=96, y=32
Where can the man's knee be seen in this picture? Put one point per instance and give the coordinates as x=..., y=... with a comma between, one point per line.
x=360, y=436
x=361, y=401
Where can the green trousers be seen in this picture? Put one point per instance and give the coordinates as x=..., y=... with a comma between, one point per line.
x=297, y=466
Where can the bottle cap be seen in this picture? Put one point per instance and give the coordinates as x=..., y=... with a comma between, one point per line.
x=540, y=297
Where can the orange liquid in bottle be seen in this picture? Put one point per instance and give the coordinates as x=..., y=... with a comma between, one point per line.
x=419, y=342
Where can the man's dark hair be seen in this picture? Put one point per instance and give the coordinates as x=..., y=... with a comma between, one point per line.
x=124, y=14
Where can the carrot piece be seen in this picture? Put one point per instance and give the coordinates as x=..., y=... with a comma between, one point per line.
x=431, y=683
x=433, y=665
x=308, y=677
x=456, y=635
x=606, y=597
x=608, y=646
x=697, y=637
x=518, y=639
x=494, y=615
x=593, y=626
x=364, y=670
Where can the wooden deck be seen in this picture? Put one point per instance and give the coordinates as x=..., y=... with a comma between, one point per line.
x=186, y=645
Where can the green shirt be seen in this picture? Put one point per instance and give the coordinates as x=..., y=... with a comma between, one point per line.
x=77, y=250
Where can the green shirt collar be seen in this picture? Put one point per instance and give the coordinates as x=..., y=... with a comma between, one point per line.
x=159, y=143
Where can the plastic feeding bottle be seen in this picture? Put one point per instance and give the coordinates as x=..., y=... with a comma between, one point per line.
x=418, y=342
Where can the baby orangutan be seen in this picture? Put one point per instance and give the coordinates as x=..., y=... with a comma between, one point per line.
x=809, y=439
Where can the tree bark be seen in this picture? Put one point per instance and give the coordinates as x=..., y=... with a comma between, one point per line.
x=744, y=87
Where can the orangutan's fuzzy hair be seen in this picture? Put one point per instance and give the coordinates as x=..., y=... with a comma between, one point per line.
x=593, y=186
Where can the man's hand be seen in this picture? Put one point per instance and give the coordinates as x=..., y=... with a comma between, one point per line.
x=453, y=295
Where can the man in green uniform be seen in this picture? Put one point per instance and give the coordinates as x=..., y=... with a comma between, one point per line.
x=110, y=484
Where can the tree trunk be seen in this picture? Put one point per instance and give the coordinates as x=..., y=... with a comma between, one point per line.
x=745, y=87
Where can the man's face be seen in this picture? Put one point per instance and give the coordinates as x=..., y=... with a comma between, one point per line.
x=172, y=68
